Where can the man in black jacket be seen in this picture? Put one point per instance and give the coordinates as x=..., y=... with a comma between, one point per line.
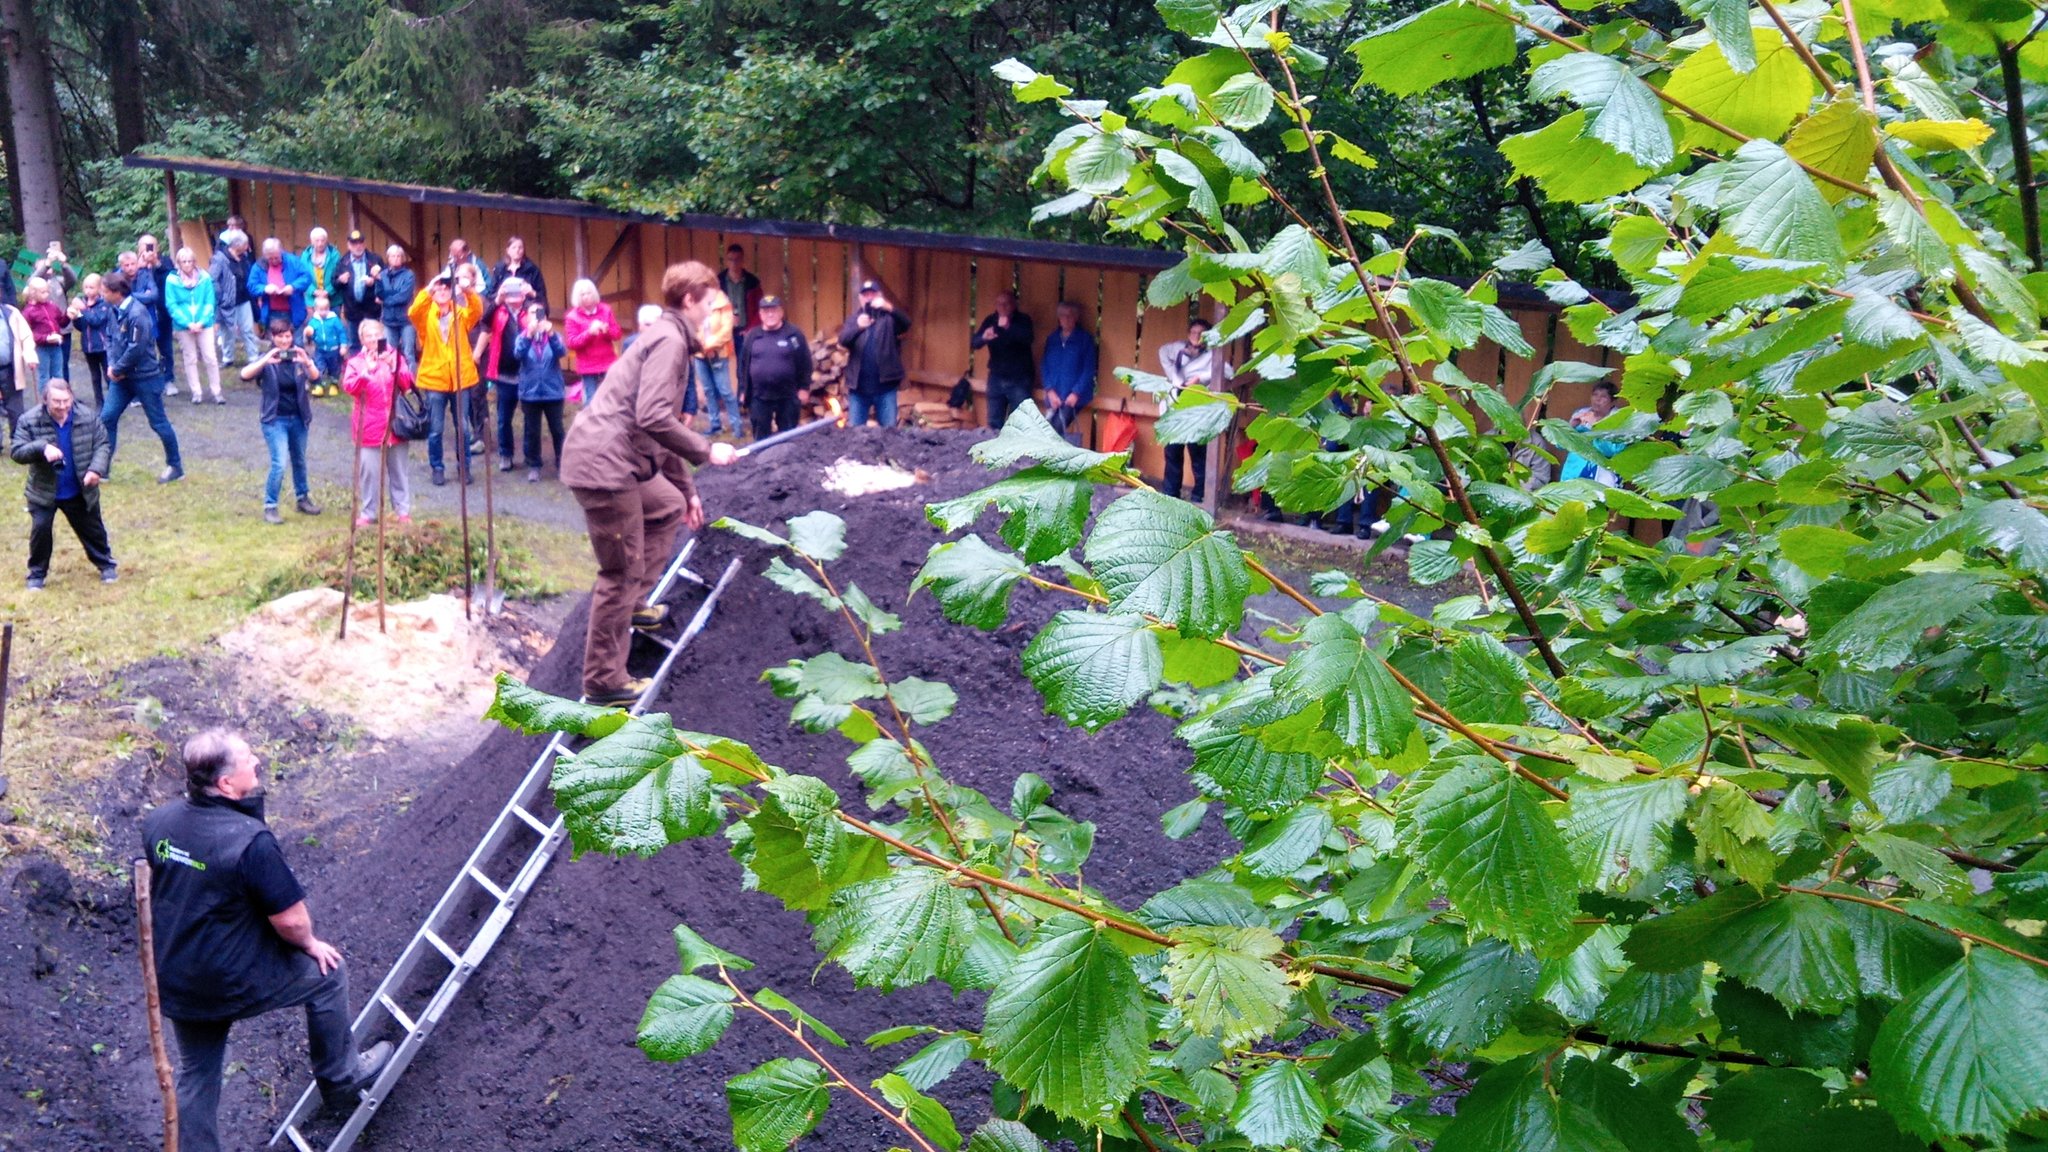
x=358, y=288
x=136, y=373
x=876, y=371
x=775, y=371
x=67, y=452
x=234, y=938
x=1007, y=336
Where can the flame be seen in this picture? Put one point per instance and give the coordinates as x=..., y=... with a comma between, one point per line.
x=835, y=410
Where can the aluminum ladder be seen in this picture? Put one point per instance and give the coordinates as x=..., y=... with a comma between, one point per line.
x=474, y=885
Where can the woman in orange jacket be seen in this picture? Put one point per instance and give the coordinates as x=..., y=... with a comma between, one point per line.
x=446, y=372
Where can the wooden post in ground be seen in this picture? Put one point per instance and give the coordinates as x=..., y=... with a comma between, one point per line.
x=166, y=1084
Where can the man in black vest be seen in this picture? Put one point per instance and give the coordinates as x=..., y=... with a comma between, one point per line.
x=234, y=938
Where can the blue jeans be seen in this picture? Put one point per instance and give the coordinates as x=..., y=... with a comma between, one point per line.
x=237, y=325
x=53, y=361
x=882, y=405
x=590, y=384
x=150, y=394
x=716, y=378
x=286, y=436
x=328, y=360
x=438, y=404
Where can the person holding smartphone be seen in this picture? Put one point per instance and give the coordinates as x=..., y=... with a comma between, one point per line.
x=873, y=335
x=541, y=387
x=285, y=375
x=373, y=378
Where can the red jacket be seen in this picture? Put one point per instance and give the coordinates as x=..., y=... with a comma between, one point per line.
x=592, y=354
x=367, y=378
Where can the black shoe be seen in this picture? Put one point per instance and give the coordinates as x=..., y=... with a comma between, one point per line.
x=109, y=576
x=169, y=476
x=440, y=478
x=1338, y=527
x=307, y=507
x=35, y=583
x=533, y=475
x=370, y=1064
x=1274, y=515
x=506, y=466
x=271, y=514
x=627, y=693
x=650, y=618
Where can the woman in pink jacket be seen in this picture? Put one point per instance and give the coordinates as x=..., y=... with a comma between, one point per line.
x=592, y=334
x=372, y=378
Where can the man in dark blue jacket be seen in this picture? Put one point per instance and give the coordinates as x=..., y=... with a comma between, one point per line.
x=136, y=373
x=1007, y=335
x=1068, y=370
x=234, y=938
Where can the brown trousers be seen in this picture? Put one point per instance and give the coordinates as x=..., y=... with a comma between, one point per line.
x=633, y=533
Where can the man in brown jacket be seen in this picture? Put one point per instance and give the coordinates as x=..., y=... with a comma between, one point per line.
x=624, y=461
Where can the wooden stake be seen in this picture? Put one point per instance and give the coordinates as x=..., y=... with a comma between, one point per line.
x=462, y=497
x=383, y=465
x=490, y=510
x=348, y=566
x=166, y=1083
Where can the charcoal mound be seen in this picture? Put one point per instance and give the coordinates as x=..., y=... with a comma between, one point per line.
x=538, y=1052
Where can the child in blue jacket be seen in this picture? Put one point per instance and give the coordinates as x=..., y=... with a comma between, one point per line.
x=541, y=388
x=327, y=333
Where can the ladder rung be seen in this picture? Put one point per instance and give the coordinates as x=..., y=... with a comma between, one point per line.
x=532, y=821
x=442, y=947
x=291, y=1133
x=397, y=1013
x=477, y=875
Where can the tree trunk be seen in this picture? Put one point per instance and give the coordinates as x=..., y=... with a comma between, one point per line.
x=123, y=50
x=13, y=170
x=32, y=104
x=2022, y=150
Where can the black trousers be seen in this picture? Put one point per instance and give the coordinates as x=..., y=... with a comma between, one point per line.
x=203, y=1050
x=85, y=521
x=96, y=363
x=771, y=415
x=1005, y=397
x=536, y=411
x=1195, y=456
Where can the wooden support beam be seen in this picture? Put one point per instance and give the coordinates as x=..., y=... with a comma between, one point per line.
x=582, y=248
x=235, y=200
x=172, y=239
x=412, y=249
x=355, y=213
x=630, y=233
x=418, y=251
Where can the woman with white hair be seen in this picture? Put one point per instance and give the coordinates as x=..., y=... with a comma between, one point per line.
x=592, y=334
x=194, y=306
x=373, y=378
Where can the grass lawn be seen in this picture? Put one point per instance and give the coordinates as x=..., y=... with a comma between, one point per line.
x=193, y=557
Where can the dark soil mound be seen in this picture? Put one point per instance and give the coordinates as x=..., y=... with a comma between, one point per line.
x=538, y=1053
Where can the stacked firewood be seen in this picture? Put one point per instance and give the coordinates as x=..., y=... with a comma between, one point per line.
x=938, y=415
x=828, y=374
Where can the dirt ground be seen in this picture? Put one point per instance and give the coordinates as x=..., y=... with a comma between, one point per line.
x=538, y=1053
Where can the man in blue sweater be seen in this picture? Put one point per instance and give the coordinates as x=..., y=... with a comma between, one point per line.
x=1068, y=370
x=136, y=373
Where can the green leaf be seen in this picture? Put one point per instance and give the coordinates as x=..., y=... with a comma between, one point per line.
x=1227, y=984
x=1279, y=1107
x=1363, y=704
x=775, y=1001
x=799, y=851
x=776, y=1104
x=1201, y=903
x=903, y=929
x=1911, y=232
x=1068, y=1026
x=1776, y=209
x=695, y=952
x=1629, y=116
x=1044, y=511
x=1760, y=102
x=1622, y=833
x=1447, y=42
x=1091, y=667
x=925, y=1114
x=1166, y=558
x=1233, y=760
x=1839, y=139
x=1497, y=853
x=1197, y=417
x=1885, y=629
x=1190, y=17
x=1099, y=165
x=1196, y=662
x=1728, y=22
x=532, y=711
x=1642, y=1004
x=1685, y=474
x=923, y=701
x=1433, y=562
x=1286, y=845
x=1797, y=948
x=1513, y=1106
x=684, y=1017
x=1571, y=166
x=818, y=535
x=1635, y=242
x=1486, y=682
x=1027, y=435
x=1963, y=1058
x=1243, y=101
x=746, y=531
x=635, y=791
x=1004, y=1136
x=935, y=1061
x=1464, y=1003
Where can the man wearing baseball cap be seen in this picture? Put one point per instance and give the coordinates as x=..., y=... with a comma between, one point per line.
x=775, y=371
x=876, y=371
x=356, y=288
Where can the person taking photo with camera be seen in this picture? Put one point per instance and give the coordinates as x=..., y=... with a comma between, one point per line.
x=285, y=375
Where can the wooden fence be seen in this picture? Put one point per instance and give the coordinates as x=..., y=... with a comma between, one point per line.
x=944, y=283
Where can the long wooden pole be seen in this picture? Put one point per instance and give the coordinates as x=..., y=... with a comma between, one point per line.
x=383, y=466
x=490, y=509
x=462, y=478
x=348, y=566
x=166, y=1083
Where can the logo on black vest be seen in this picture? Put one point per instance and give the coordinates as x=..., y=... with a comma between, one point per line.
x=169, y=853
